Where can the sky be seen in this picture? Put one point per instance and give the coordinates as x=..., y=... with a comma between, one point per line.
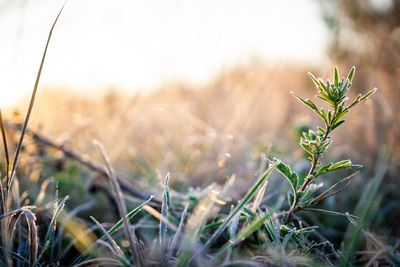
x=131, y=45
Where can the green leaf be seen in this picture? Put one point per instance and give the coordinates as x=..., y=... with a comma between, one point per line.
x=323, y=169
x=361, y=98
x=336, y=166
x=329, y=88
x=287, y=172
x=326, y=99
x=340, y=108
x=315, y=80
x=324, y=146
x=345, y=87
x=311, y=105
x=284, y=169
x=364, y=97
x=336, y=77
x=307, y=149
x=323, y=116
x=356, y=166
x=351, y=74
x=307, y=102
x=355, y=102
x=329, y=116
x=307, y=194
x=340, y=115
x=337, y=124
x=212, y=226
x=295, y=179
x=321, y=130
x=340, y=165
x=305, y=199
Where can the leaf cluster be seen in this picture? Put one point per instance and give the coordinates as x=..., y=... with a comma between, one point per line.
x=316, y=142
x=334, y=94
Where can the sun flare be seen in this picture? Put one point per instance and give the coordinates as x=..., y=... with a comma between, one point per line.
x=8, y=97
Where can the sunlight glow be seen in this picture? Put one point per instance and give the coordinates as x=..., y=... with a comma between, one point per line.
x=141, y=44
x=8, y=97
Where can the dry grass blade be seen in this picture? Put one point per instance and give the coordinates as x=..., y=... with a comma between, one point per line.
x=32, y=231
x=330, y=212
x=3, y=133
x=116, y=248
x=42, y=191
x=33, y=236
x=17, y=211
x=337, y=191
x=107, y=245
x=3, y=205
x=159, y=216
x=177, y=233
x=259, y=197
x=380, y=254
x=98, y=262
x=325, y=195
x=119, y=199
x=389, y=255
x=32, y=101
x=257, y=201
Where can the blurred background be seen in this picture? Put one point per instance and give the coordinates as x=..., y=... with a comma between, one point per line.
x=201, y=89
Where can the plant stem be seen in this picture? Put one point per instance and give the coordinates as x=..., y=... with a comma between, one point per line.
x=314, y=164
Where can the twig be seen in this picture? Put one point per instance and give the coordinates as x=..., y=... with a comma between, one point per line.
x=69, y=153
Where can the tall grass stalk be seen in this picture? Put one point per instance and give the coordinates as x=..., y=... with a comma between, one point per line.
x=121, y=203
x=3, y=224
x=32, y=101
x=163, y=225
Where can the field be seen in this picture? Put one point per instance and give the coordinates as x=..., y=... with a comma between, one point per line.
x=248, y=170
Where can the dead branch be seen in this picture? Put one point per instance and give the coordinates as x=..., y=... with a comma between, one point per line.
x=91, y=165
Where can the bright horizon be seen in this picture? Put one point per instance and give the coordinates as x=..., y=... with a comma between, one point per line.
x=133, y=44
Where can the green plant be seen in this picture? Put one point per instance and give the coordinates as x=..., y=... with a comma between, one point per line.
x=316, y=142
